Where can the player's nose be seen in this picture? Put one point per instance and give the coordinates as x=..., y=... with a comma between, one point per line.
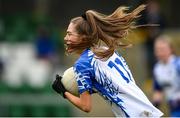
x=66, y=39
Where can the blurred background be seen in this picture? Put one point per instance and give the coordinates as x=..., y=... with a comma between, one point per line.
x=32, y=51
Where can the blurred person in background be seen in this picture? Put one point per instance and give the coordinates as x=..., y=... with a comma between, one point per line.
x=167, y=75
x=100, y=67
x=45, y=45
x=152, y=15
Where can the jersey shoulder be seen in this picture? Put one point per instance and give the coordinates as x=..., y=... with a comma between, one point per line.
x=177, y=64
x=83, y=64
x=85, y=58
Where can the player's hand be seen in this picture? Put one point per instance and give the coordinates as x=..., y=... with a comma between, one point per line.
x=58, y=86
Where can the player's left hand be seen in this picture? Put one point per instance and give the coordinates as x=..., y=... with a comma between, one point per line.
x=58, y=86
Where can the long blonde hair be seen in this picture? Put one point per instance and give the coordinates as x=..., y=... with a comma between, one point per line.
x=98, y=29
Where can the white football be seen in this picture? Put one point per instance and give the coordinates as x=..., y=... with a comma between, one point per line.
x=69, y=81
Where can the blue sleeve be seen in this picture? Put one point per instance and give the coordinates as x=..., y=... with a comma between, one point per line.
x=156, y=85
x=177, y=64
x=84, y=75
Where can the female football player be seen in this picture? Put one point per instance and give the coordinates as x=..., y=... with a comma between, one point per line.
x=95, y=37
x=167, y=75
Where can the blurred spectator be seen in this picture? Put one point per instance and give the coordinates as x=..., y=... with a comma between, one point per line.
x=44, y=44
x=152, y=15
x=167, y=75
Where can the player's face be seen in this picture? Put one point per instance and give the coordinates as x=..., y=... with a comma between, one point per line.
x=71, y=38
x=162, y=50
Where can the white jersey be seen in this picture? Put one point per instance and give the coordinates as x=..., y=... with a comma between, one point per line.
x=114, y=81
x=167, y=78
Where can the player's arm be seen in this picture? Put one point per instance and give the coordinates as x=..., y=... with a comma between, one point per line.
x=83, y=102
x=84, y=74
x=157, y=94
x=157, y=98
